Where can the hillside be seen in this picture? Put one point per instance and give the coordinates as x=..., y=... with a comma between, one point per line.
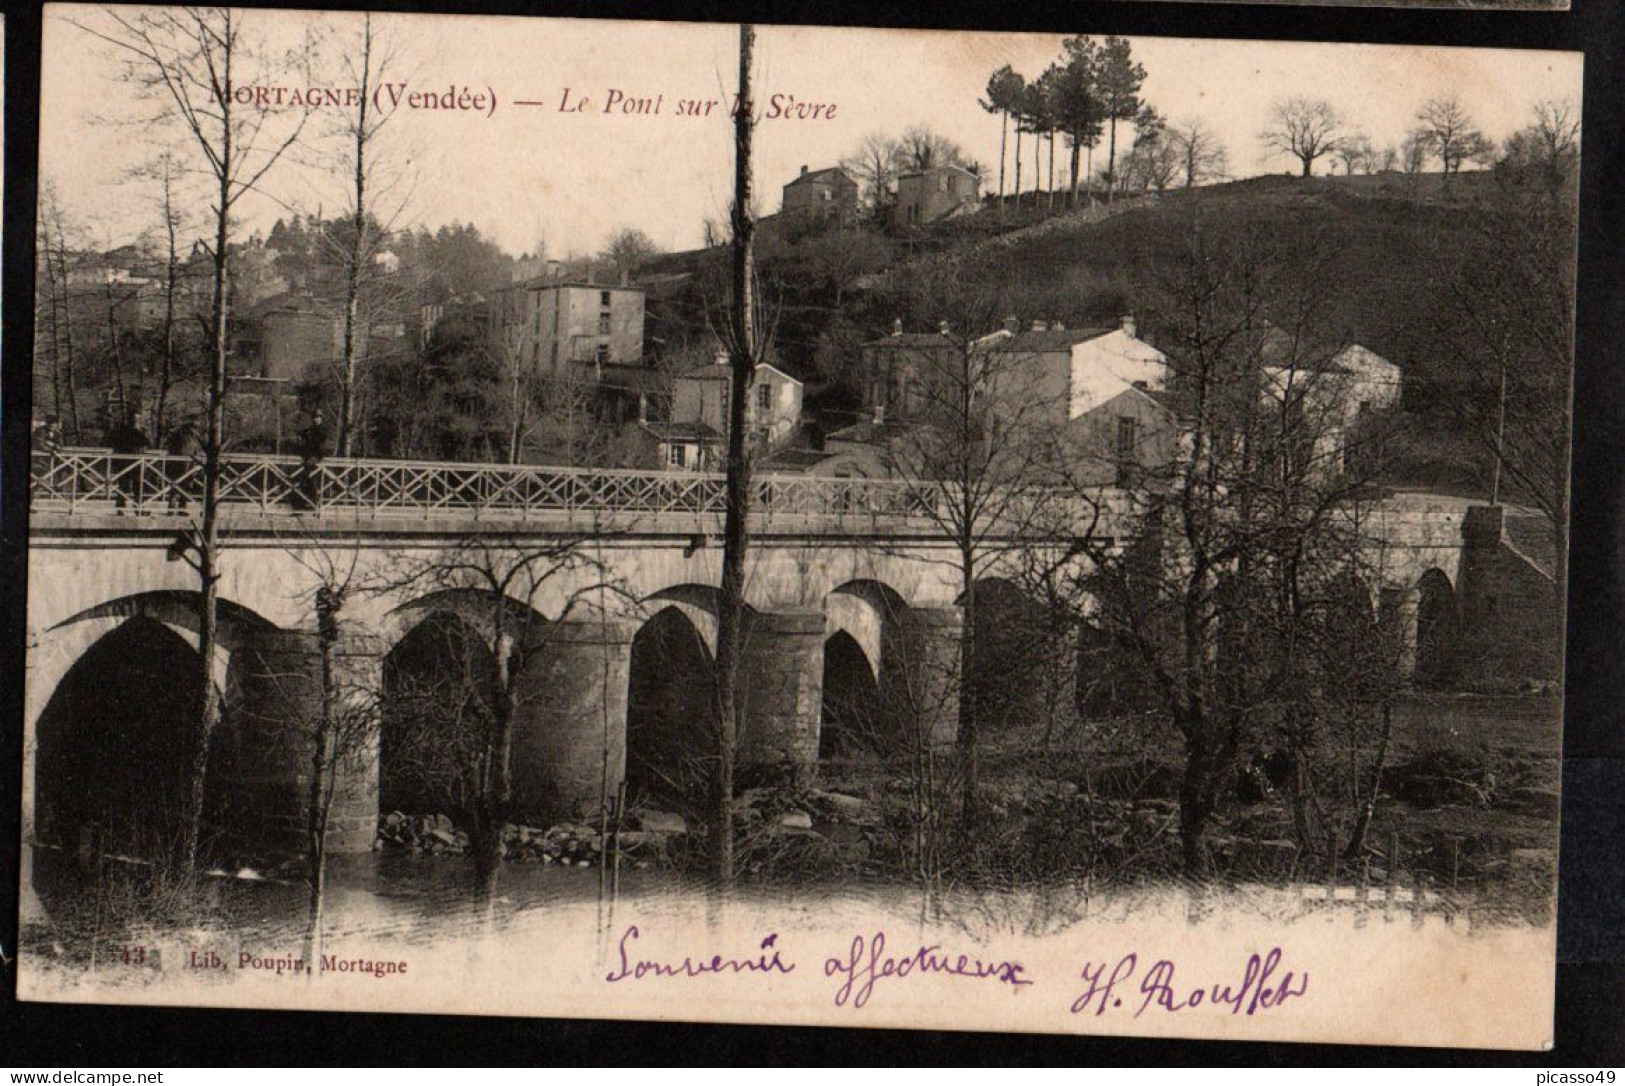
x=1389, y=239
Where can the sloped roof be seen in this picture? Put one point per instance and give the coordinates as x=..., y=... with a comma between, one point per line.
x=682, y=431
x=711, y=371
x=798, y=459
x=823, y=177
x=945, y=167
x=1048, y=340
x=915, y=339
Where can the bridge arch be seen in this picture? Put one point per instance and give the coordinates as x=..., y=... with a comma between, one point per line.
x=859, y=616
x=179, y=611
x=438, y=689
x=169, y=620
x=1437, y=626
x=476, y=608
x=671, y=715
x=112, y=745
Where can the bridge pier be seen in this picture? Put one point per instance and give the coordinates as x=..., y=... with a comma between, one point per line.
x=920, y=671
x=782, y=687
x=569, y=728
x=275, y=712
x=1397, y=611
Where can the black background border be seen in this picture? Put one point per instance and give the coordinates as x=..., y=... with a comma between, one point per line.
x=1591, y=929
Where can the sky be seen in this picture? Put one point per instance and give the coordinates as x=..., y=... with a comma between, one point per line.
x=525, y=174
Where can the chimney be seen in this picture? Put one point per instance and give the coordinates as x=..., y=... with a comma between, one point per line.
x=592, y=275
x=626, y=276
x=803, y=171
x=880, y=414
x=1038, y=326
x=897, y=327
x=643, y=407
x=942, y=326
x=1129, y=329
x=723, y=357
x=1057, y=326
x=1012, y=325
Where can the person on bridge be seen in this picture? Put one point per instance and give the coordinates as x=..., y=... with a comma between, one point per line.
x=312, y=449
x=127, y=442
x=46, y=444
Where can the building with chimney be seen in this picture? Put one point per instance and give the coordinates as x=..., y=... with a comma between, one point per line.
x=819, y=196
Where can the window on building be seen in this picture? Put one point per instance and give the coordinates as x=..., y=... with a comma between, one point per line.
x=603, y=298
x=1123, y=449
x=764, y=397
x=603, y=324
x=603, y=353
x=677, y=456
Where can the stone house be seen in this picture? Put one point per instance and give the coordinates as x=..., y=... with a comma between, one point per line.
x=1074, y=371
x=1122, y=440
x=695, y=436
x=550, y=323
x=819, y=196
x=934, y=194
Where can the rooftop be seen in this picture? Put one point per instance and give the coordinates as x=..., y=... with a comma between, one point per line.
x=682, y=431
x=822, y=177
x=1050, y=339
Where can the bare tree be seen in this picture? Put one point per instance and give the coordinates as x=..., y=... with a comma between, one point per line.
x=189, y=64
x=1548, y=149
x=1305, y=128
x=1201, y=156
x=1504, y=308
x=1241, y=540
x=56, y=346
x=873, y=164
x=1355, y=153
x=164, y=171
x=922, y=148
x=507, y=584
x=970, y=426
x=629, y=250
x=1154, y=160
x=1451, y=134
x=745, y=347
x=367, y=64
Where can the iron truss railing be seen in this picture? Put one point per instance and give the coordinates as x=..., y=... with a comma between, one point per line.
x=95, y=481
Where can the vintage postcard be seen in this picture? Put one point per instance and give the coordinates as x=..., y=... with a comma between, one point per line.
x=833, y=526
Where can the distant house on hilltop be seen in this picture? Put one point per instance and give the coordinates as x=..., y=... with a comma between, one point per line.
x=819, y=196
x=933, y=194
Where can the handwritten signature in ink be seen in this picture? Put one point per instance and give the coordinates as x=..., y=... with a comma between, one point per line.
x=1259, y=990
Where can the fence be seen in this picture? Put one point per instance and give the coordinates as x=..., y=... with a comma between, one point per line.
x=88, y=481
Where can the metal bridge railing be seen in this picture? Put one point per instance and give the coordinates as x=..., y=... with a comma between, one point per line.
x=86, y=481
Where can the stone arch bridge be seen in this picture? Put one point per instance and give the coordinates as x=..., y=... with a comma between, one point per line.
x=850, y=585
